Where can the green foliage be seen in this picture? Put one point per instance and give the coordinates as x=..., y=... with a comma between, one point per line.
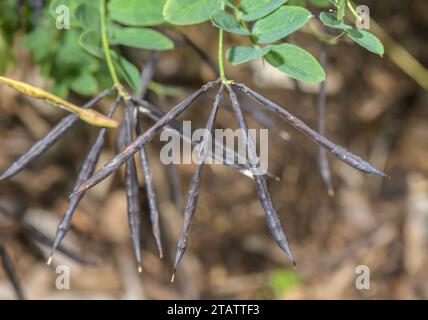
x=366, y=40
x=295, y=62
x=251, y=10
x=139, y=13
x=242, y=54
x=74, y=58
x=330, y=20
x=280, y=24
x=224, y=20
x=185, y=12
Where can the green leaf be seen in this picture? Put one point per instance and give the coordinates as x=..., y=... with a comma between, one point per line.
x=137, y=12
x=143, y=38
x=280, y=24
x=129, y=72
x=251, y=10
x=224, y=20
x=295, y=62
x=90, y=42
x=84, y=84
x=341, y=10
x=366, y=40
x=88, y=15
x=329, y=20
x=185, y=12
x=241, y=54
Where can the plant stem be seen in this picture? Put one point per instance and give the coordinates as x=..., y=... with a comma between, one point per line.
x=106, y=48
x=220, y=57
x=352, y=9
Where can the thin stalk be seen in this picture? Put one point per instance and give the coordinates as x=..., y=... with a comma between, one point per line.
x=220, y=57
x=106, y=48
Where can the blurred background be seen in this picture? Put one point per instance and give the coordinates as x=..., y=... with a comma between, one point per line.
x=373, y=108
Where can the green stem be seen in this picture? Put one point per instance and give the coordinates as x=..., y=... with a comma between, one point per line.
x=353, y=11
x=220, y=56
x=107, y=53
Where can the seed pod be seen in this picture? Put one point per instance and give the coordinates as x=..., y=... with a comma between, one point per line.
x=10, y=271
x=155, y=114
x=90, y=116
x=144, y=138
x=86, y=170
x=338, y=151
x=48, y=140
x=272, y=218
x=147, y=73
x=132, y=188
x=322, y=156
x=151, y=195
x=37, y=235
x=193, y=193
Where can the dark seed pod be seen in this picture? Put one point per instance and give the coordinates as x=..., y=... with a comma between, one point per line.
x=132, y=188
x=322, y=156
x=86, y=170
x=151, y=195
x=10, y=271
x=38, y=236
x=155, y=114
x=48, y=140
x=144, y=138
x=272, y=218
x=147, y=73
x=175, y=185
x=338, y=151
x=193, y=193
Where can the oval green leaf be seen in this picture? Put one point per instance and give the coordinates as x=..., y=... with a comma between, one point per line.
x=295, y=62
x=366, y=40
x=225, y=21
x=142, y=38
x=137, y=13
x=329, y=20
x=185, y=12
x=280, y=24
x=251, y=10
x=241, y=54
